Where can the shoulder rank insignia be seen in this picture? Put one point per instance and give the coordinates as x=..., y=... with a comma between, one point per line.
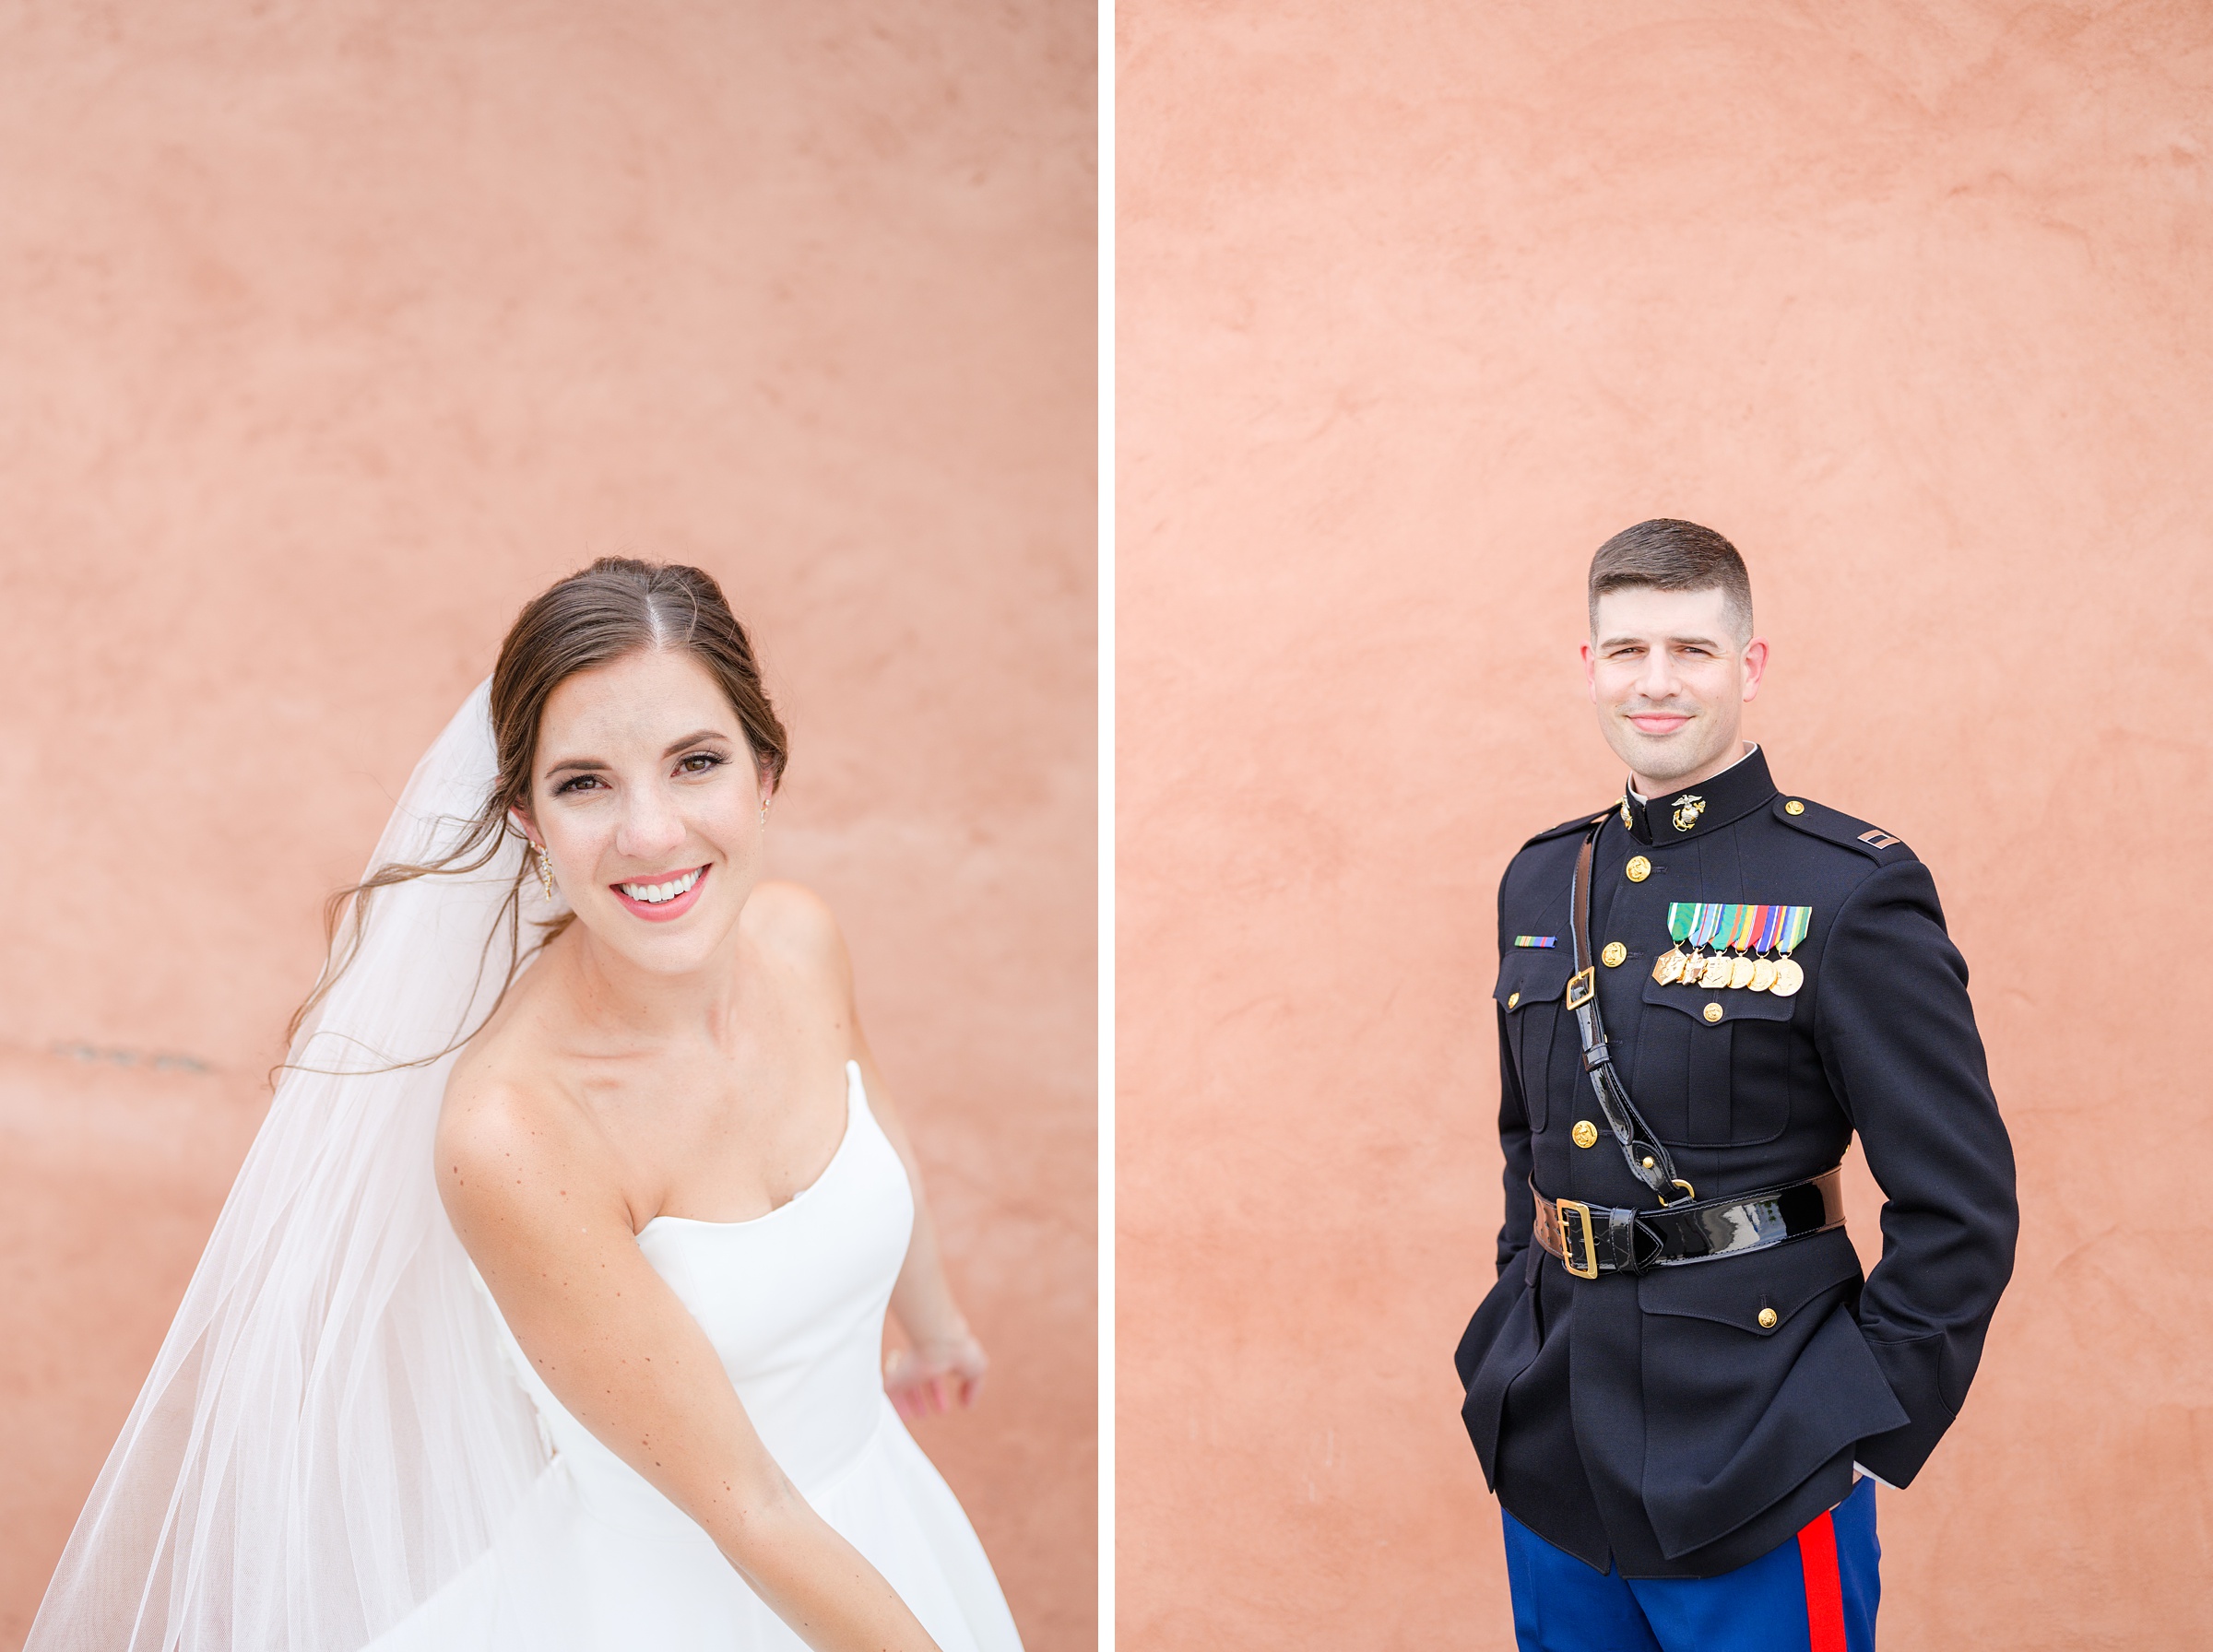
x=1688, y=808
x=1876, y=838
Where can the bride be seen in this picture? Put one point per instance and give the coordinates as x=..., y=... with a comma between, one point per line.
x=546, y=1310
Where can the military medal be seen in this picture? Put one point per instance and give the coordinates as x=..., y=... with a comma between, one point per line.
x=1705, y=919
x=1715, y=973
x=1740, y=943
x=1763, y=967
x=1668, y=968
x=1692, y=923
x=1789, y=975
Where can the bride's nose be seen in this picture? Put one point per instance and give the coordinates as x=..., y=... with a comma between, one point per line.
x=651, y=825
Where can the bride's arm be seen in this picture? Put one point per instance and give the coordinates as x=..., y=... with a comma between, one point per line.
x=946, y=1362
x=533, y=1205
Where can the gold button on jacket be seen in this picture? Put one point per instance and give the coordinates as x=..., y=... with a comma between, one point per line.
x=1713, y=1014
x=1613, y=954
x=1512, y=998
x=1766, y=1320
x=1585, y=1133
x=1638, y=868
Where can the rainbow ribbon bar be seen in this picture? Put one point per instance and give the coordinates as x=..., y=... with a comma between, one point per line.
x=1738, y=927
x=1535, y=940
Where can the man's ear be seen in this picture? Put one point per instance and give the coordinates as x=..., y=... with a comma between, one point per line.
x=1756, y=665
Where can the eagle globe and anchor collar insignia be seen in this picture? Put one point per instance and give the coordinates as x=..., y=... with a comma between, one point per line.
x=1719, y=800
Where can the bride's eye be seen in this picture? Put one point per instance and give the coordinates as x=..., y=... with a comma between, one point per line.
x=575, y=784
x=701, y=762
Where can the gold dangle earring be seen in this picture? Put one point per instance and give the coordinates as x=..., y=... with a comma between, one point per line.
x=545, y=869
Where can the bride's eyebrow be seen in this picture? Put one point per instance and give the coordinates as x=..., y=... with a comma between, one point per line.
x=695, y=739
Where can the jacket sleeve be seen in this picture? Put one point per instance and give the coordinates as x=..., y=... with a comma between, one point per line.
x=1513, y=1139
x=1897, y=1037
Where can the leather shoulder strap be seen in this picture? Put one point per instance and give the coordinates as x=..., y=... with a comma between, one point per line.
x=1647, y=1160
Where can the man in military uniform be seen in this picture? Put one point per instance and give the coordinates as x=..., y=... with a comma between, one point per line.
x=1681, y=1389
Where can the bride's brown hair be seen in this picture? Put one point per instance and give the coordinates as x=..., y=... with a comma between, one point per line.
x=616, y=608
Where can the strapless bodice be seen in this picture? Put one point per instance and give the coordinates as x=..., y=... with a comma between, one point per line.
x=794, y=1303
x=594, y=1559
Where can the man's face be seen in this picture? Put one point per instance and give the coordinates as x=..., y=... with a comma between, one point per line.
x=1670, y=680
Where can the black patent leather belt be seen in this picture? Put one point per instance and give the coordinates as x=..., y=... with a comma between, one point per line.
x=1595, y=1239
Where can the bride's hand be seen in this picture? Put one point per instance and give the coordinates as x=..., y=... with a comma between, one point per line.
x=932, y=1375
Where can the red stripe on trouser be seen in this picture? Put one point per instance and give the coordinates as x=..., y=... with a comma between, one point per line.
x=1824, y=1592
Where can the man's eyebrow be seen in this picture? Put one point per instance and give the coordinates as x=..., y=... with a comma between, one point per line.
x=1670, y=642
x=586, y=765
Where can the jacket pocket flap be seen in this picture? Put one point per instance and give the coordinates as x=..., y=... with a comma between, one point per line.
x=1533, y=975
x=1736, y=1006
x=1735, y=1289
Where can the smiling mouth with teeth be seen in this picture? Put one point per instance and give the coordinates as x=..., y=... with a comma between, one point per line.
x=654, y=894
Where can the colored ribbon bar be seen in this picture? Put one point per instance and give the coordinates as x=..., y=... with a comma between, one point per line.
x=1737, y=927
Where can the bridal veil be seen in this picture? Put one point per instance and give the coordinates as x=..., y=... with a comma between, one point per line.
x=329, y=1433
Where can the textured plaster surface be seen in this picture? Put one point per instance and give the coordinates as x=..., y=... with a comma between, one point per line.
x=1418, y=303
x=328, y=333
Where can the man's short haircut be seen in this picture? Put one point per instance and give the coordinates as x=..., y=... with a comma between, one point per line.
x=1668, y=554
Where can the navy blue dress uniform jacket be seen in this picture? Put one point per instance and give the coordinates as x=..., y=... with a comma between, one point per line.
x=1652, y=1418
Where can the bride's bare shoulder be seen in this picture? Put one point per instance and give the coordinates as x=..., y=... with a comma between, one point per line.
x=510, y=1136
x=795, y=932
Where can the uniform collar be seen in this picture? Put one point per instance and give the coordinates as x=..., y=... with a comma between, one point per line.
x=1696, y=810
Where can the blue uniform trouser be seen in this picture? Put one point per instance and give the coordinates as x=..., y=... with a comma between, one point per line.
x=1815, y=1593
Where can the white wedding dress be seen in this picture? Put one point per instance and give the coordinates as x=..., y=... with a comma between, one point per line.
x=794, y=1301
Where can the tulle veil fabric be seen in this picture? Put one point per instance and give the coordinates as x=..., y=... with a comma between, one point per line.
x=329, y=1433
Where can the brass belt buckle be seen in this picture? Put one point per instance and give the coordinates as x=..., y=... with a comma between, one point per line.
x=1583, y=987
x=1590, y=1269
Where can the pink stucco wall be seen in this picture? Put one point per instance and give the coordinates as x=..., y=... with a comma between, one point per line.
x=328, y=333
x=1417, y=304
